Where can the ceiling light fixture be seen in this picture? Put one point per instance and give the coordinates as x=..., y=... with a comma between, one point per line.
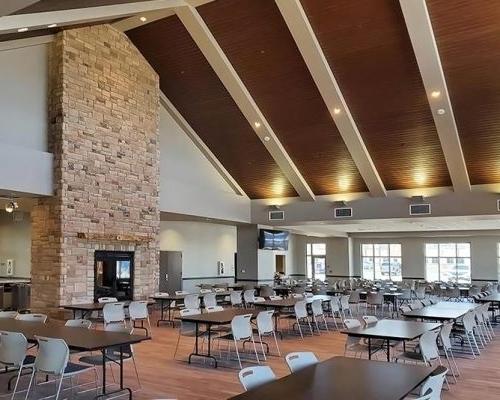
x=22, y=30
x=11, y=206
x=441, y=111
x=51, y=26
x=435, y=94
x=336, y=111
x=143, y=19
x=267, y=138
x=257, y=124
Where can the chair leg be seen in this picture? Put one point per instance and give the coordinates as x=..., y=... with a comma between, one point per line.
x=30, y=384
x=59, y=387
x=262, y=347
x=324, y=320
x=17, y=382
x=310, y=326
x=238, y=353
x=276, y=341
x=177, y=346
x=255, y=350
x=300, y=329
x=136, y=372
x=454, y=362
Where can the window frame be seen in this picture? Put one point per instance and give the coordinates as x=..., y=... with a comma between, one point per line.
x=373, y=258
x=455, y=258
x=310, y=256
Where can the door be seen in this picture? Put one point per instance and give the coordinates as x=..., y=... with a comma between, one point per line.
x=319, y=267
x=170, y=271
x=280, y=263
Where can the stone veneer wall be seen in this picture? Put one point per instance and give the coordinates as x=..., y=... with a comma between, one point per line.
x=103, y=118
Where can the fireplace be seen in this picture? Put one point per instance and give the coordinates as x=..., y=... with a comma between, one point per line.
x=114, y=274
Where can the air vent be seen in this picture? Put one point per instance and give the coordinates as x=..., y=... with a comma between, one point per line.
x=343, y=212
x=420, y=209
x=276, y=215
x=498, y=205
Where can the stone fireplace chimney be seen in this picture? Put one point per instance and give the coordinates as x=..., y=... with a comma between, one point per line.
x=103, y=118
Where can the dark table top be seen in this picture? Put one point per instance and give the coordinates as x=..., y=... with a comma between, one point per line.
x=344, y=378
x=181, y=296
x=75, y=338
x=95, y=306
x=495, y=298
x=290, y=301
x=442, y=311
x=219, y=317
x=393, y=329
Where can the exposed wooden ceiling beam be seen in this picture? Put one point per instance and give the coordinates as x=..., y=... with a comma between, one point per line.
x=232, y=82
x=9, y=6
x=426, y=52
x=11, y=23
x=198, y=142
x=313, y=55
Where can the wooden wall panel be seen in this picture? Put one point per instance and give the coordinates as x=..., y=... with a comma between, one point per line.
x=189, y=82
x=468, y=40
x=370, y=53
x=255, y=38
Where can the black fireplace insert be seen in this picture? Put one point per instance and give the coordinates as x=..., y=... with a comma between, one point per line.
x=114, y=274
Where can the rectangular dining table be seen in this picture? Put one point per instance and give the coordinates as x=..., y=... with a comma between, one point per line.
x=81, y=340
x=209, y=319
x=344, y=378
x=86, y=309
x=391, y=329
x=443, y=311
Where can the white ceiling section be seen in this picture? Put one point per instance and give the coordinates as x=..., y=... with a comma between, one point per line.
x=9, y=6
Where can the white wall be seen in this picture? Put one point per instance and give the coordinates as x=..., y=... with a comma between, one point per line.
x=15, y=244
x=483, y=251
x=202, y=246
x=25, y=164
x=189, y=184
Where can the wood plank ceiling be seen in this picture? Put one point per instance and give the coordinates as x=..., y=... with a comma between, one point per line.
x=367, y=46
x=192, y=86
x=257, y=42
x=468, y=39
x=57, y=5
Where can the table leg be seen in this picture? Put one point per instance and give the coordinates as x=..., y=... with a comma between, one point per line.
x=369, y=348
x=104, y=394
x=162, y=317
x=388, y=350
x=196, y=347
x=103, y=371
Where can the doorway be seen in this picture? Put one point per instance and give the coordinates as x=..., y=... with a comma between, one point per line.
x=316, y=261
x=280, y=263
x=114, y=274
x=170, y=271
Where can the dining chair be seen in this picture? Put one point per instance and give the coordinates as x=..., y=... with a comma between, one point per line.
x=265, y=327
x=209, y=300
x=252, y=377
x=318, y=313
x=114, y=313
x=138, y=312
x=299, y=360
x=32, y=317
x=78, y=323
x=8, y=314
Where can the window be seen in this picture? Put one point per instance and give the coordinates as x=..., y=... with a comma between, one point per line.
x=316, y=261
x=447, y=262
x=381, y=261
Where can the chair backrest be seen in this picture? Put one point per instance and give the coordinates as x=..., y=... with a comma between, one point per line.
x=181, y=292
x=209, y=300
x=344, y=301
x=405, y=294
x=249, y=296
x=444, y=335
x=138, y=310
x=427, y=396
x=265, y=322
x=79, y=323
x=334, y=303
x=235, y=297
x=298, y=295
x=266, y=291
x=297, y=361
x=192, y=301
x=404, y=309
x=252, y=377
x=113, y=313
x=351, y=323
x=188, y=328
x=354, y=297
x=102, y=300
x=434, y=383
x=52, y=356
x=317, y=307
x=274, y=297
x=13, y=347
x=428, y=345
x=369, y=319
x=241, y=327
x=469, y=321
x=32, y=317
x=300, y=309
x=375, y=298
x=205, y=291
x=8, y=314
x=210, y=309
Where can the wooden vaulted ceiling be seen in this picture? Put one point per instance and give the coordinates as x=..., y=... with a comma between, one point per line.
x=468, y=40
x=58, y=5
x=255, y=38
x=192, y=86
x=370, y=53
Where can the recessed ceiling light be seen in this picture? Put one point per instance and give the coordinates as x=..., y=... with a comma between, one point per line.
x=257, y=124
x=22, y=30
x=267, y=138
x=143, y=19
x=441, y=111
x=51, y=26
x=336, y=111
x=435, y=94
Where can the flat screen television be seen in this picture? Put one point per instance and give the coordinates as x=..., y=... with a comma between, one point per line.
x=273, y=240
